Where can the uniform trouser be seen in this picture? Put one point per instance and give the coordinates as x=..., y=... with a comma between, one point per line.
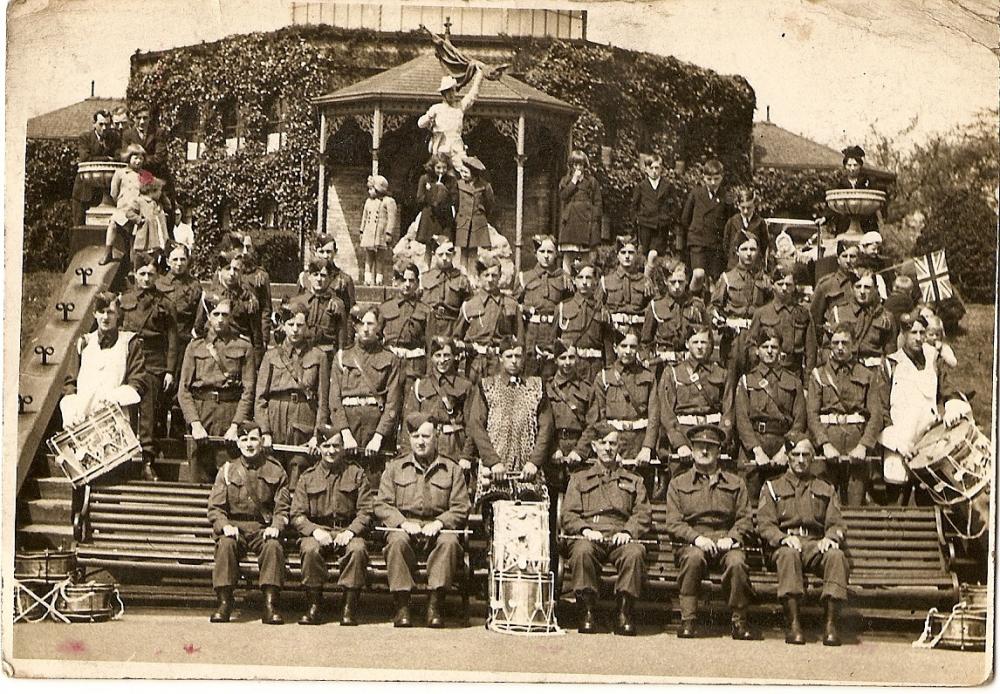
x=850, y=479
x=694, y=564
x=150, y=410
x=830, y=565
x=538, y=336
x=229, y=551
x=216, y=417
x=443, y=560
x=353, y=562
x=586, y=559
x=756, y=475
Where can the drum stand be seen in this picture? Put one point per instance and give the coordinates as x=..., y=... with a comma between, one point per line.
x=46, y=601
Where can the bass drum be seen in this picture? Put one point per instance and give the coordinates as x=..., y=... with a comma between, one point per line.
x=953, y=465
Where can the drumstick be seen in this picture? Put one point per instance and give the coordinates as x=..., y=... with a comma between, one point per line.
x=604, y=540
x=445, y=531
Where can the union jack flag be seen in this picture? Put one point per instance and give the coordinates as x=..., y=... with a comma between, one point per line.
x=932, y=276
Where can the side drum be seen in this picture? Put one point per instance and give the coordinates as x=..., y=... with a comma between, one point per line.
x=90, y=602
x=50, y=566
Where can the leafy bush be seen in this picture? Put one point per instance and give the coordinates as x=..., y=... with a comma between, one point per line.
x=633, y=101
x=279, y=253
x=46, y=237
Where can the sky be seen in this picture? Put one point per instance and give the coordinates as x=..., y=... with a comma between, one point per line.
x=828, y=69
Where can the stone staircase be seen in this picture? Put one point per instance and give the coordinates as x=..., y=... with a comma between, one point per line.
x=45, y=507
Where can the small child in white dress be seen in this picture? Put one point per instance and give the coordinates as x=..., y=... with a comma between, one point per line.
x=125, y=186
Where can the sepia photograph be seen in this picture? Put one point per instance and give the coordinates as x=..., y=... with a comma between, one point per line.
x=495, y=341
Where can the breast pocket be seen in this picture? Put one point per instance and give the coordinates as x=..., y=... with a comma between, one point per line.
x=820, y=502
x=439, y=487
x=310, y=374
x=405, y=489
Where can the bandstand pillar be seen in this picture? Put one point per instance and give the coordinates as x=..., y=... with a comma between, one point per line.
x=321, y=190
x=519, y=199
x=376, y=138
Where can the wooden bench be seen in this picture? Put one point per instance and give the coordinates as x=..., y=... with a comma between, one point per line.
x=899, y=562
x=146, y=531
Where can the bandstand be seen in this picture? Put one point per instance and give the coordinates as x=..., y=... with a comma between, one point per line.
x=520, y=133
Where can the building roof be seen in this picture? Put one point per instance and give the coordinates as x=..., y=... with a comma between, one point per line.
x=777, y=148
x=417, y=81
x=70, y=121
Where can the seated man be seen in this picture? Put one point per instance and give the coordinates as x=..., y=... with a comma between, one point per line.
x=606, y=504
x=248, y=509
x=420, y=495
x=799, y=516
x=332, y=510
x=709, y=510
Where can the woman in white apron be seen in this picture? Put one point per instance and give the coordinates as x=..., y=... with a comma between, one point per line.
x=914, y=386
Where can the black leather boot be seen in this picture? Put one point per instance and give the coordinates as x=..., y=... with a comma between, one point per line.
x=588, y=603
x=225, y=607
x=402, y=618
x=148, y=474
x=271, y=614
x=314, y=615
x=435, y=615
x=623, y=624
x=793, y=629
x=347, y=618
x=741, y=628
x=688, y=630
x=831, y=636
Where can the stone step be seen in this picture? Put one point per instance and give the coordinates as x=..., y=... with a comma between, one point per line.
x=47, y=511
x=52, y=468
x=37, y=536
x=54, y=487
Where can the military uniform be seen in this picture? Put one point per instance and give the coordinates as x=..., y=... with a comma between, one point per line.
x=405, y=334
x=844, y=407
x=769, y=404
x=252, y=497
x=872, y=327
x=625, y=297
x=483, y=320
x=715, y=506
x=184, y=293
x=585, y=324
x=626, y=399
x=539, y=292
x=831, y=290
x=610, y=502
x=409, y=490
x=693, y=393
x=259, y=281
x=292, y=397
x=327, y=318
x=366, y=389
x=569, y=399
x=798, y=334
x=809, y=509
x=444, y=291
x=216, y=388
x=665, y=329
x=246, y=314
x=447, y=398
x=334, y=499
x=150, y=315
x=734, y=298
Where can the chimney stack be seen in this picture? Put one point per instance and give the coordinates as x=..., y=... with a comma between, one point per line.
x=768, y=114
x=91, y=89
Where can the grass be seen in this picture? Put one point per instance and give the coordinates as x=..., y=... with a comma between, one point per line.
x=976, y=353
x=36, y=300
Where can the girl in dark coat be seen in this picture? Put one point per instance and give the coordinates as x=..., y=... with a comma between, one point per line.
x=475, y=204
x=580, y=218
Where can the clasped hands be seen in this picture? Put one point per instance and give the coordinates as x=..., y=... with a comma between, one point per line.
x=824, y=545
x=233, y=531
x=427, y=529
x=714, y=547
x=325, y=537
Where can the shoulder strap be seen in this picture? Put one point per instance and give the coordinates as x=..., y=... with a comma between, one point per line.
x=652, y=307
x=770, y=489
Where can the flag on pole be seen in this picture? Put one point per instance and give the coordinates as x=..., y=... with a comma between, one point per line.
x=932, y=276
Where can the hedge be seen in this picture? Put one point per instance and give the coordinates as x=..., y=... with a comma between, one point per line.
x=49, y=169
x=694, y=114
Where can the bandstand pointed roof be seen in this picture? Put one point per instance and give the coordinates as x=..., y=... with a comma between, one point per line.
x=412, y=87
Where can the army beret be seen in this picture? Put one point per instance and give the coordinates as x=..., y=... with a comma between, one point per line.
x=415, y=420
x=485, y=263
x=325, y=432
x=245, y=427
x=706, y=433
x=444, y=245
x=509, y=342
x=561, y=346
x=794, y=438
x=601, y=430
x=844, y=245
x=538, y=239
